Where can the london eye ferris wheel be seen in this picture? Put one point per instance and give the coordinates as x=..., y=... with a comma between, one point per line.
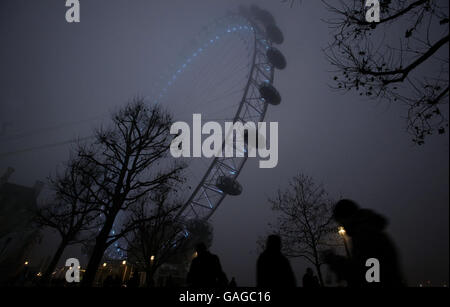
x=227, y=75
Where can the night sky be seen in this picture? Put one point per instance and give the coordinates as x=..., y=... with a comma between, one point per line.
x=59, y=81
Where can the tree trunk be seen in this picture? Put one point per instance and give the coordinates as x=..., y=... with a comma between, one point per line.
x=149, y=282
x=319, y=273
x=97, y=254
x=317, y=265
x=51, y=267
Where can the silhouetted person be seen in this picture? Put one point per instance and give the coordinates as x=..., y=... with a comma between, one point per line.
x=116, y=282
x=232, y=283
x=134, y=280
x=310, y=280
x=369, y=240
x=108, y=282
x=273, y=270
x=206, y=270
x=169, y=282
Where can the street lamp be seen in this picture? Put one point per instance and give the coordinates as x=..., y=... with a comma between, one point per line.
x=26, y=262
x=125, y=269
x=343, y=234
x=104, y=264
x=152, y=258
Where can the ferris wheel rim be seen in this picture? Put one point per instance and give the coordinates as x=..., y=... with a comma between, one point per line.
x=258, y=35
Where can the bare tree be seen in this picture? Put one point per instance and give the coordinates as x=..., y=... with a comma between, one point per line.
x=401, y=59
x=132, y=158
x=72, y=211
x=304, y=220
x=164, y=238
x=159, y=239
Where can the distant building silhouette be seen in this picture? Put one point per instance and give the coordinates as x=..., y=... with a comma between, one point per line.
x=17, y=236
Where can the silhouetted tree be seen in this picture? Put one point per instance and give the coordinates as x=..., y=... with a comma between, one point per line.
x=194, y=232
x=131, y=158
x=199, y=231
x=154, y=242
x=72, y=212
x=304, y=220
x=401, y=59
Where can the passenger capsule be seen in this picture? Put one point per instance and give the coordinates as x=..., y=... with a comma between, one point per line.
x=274, y=34
x=276, y=58
x=261, y=15
x=270, y=94
x=229, y=185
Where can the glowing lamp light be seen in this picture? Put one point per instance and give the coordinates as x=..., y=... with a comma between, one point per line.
x=152, y=258
x=124, y=262
x=104, y=264
x=341, y=231
x=26, y=263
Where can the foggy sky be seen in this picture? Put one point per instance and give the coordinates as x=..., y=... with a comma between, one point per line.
x=52, y=73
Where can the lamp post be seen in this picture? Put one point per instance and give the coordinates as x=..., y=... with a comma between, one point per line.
x=343, y=234
x=125, y=268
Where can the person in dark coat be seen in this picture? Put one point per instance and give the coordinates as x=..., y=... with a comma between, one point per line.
x=366, y=229
x=310, y=280
x=273, y=268
x=108, y=282
x=206, y=270
x=232, y=283
x=134, y=280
